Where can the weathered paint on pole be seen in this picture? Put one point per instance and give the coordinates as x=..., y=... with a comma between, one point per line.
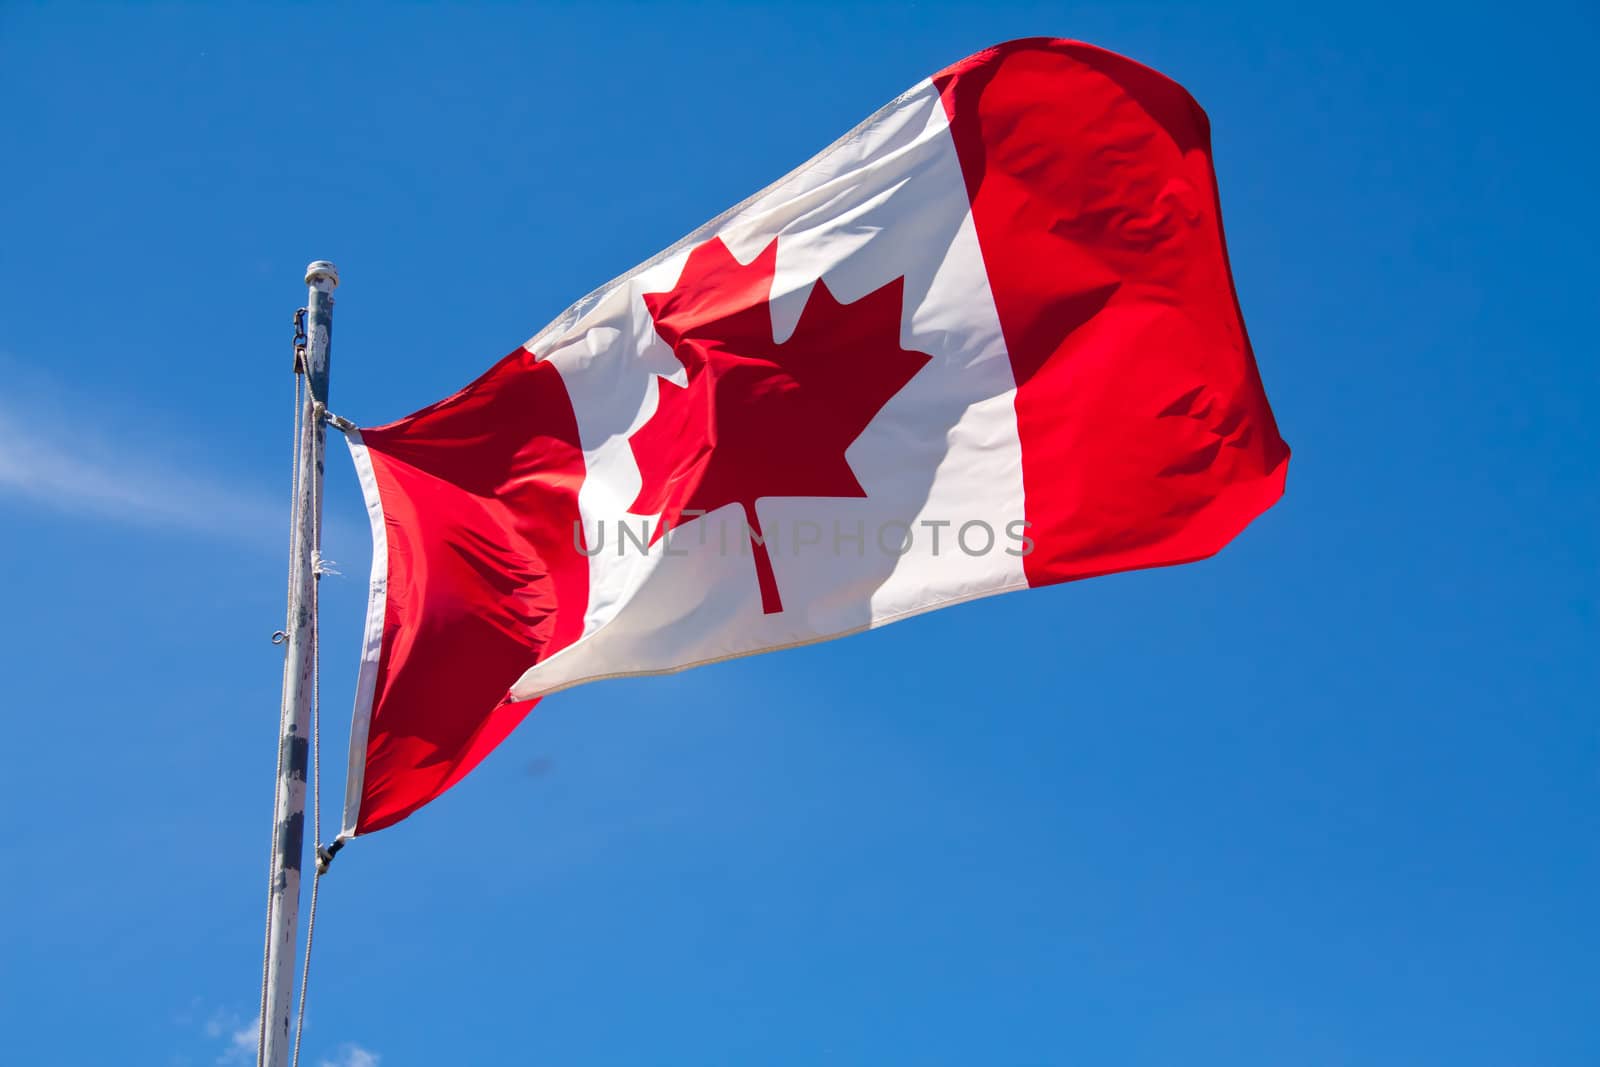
x=283, y=906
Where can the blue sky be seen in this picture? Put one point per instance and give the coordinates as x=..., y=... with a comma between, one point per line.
x=1329, y=798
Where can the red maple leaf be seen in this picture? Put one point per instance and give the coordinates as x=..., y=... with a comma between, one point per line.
x=758, y=418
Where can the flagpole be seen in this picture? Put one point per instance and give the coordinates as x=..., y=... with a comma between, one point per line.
x=288, y=845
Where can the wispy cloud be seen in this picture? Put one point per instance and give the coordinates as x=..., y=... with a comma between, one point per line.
x=65, y=468
x=56, y=455
x=242, y=1039
x=352, y=1055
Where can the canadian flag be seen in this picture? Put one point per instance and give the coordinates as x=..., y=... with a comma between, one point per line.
x=987, y=340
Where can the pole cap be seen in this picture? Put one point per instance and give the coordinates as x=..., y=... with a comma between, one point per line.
x=323, y=275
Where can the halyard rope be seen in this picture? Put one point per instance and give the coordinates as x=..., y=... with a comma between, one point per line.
x=320, y=866
x=294, y=526
x=303, y=399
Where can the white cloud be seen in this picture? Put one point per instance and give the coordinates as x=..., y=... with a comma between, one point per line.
x=54, y=463
x=352, y=1055
x=242, y=1040
x=79, y=455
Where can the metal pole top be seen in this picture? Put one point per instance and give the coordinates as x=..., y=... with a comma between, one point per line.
x=323, y=275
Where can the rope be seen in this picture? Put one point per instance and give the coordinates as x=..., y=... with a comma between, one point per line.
x=316, y=783
x=277, y=812
x=306, y=407
x=305, y=973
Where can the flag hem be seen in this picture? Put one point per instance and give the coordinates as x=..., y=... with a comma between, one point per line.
x=372, y=636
